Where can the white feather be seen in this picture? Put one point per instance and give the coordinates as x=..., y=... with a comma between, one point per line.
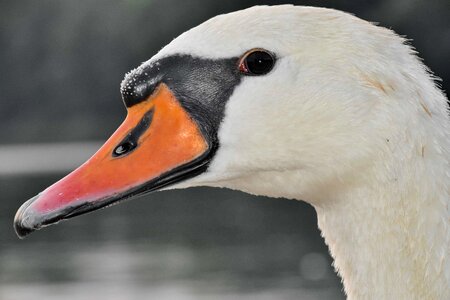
x=350, y=121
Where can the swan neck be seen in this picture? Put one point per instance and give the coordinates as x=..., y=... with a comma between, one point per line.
x=390, y=240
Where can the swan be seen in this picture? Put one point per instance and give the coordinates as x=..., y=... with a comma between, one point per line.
x=291, y=102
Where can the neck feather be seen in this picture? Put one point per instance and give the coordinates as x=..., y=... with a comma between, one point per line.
x=389, y=231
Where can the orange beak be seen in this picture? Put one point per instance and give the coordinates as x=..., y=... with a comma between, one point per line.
x=157, y=144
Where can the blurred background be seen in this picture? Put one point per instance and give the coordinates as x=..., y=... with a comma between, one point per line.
x=61, y=65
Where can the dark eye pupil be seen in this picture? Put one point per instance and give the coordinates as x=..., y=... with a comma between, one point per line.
x=123, y=148
x=259, y=62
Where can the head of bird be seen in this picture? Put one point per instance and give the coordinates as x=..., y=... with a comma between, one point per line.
x=282, y=101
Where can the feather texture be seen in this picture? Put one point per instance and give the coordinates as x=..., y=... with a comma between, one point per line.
x=349, y=120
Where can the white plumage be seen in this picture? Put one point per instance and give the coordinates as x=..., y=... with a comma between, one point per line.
x=350, y=121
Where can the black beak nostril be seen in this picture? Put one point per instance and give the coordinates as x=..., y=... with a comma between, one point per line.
x=124, y=148
x=131, y=141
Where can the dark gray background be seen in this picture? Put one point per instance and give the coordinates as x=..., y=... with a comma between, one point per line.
x=61, y=64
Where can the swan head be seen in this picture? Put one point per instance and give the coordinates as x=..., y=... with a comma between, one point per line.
x=282, y=101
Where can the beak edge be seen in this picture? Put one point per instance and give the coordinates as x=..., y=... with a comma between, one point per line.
x=25, y=220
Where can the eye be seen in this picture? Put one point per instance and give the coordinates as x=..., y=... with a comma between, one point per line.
x=123, y=148
x=256, y=62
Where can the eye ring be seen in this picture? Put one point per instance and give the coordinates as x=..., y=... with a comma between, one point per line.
x=256, y=62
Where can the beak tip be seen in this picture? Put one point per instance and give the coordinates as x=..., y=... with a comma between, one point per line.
x=25, y=221
x=22, y=231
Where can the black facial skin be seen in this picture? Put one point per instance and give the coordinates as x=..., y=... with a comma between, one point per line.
x=202, y=86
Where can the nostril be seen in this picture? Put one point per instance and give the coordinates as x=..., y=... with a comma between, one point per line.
x=123, y=148
x=131, y=140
